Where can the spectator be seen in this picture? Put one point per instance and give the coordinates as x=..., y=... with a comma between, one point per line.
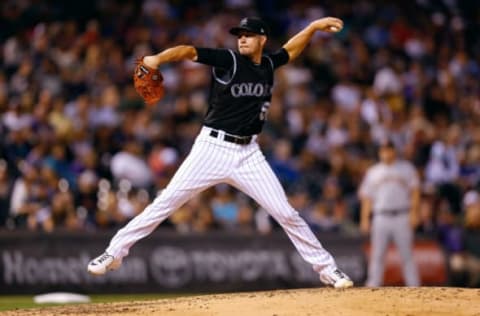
x=465, y=263
x=59, y=163
x=320, y=218
x=22, y=189
x=5, y=192
x=283, y=164
x=30, y=205
x=328, y=214
x=245, y=218
x=86, y=198
x=443, y=168
x=225, y=209
x=63, y=212
x=129, y=164
x=203, y=220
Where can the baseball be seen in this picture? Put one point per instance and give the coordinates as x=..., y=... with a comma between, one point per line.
x=334, y=29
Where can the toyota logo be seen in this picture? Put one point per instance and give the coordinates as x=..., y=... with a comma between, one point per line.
x=170, y=267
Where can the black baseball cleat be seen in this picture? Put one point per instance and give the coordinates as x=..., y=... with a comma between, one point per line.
x=103, y=263
x=336, y=278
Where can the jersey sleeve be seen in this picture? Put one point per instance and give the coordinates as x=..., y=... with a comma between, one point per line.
x=278, y=58
x=220, y=58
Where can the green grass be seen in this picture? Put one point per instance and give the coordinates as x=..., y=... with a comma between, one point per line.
x=12, y=302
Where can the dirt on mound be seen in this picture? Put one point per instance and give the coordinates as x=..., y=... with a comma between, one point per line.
x=323, y=301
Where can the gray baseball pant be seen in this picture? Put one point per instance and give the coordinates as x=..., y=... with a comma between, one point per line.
x=397, y=228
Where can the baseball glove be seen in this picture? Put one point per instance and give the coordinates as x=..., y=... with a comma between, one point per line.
x=148, y=82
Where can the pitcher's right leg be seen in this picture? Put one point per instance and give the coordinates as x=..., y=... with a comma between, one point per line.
x=144, y=223
x=199, y=171
x=141, y=226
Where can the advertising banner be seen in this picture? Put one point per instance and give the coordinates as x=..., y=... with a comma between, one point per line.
x=166, y=262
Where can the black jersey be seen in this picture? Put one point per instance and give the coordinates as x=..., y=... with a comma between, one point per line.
x=240, y=90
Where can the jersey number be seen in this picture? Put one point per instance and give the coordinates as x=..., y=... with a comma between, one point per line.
x=264, y=111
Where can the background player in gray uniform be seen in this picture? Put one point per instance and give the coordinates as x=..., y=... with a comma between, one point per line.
x=390, y=196
x=226, y=149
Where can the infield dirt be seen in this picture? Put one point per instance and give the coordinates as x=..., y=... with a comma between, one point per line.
x=305, y=302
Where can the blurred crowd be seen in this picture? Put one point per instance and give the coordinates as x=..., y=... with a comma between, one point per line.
x=80, y=151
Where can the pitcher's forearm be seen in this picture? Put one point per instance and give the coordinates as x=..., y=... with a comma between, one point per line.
x=177, y=53
x=297, y=43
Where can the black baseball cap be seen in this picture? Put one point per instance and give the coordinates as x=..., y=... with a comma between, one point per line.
x=251, y=24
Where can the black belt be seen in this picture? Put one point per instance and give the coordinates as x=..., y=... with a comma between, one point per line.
x=391, y=212
x=241, y=140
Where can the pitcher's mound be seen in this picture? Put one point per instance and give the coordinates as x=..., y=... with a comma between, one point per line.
x=357, y=301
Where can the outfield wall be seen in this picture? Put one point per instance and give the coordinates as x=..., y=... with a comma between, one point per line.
x=170, y=262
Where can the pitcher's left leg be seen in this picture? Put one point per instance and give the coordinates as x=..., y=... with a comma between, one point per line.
x=255, y=178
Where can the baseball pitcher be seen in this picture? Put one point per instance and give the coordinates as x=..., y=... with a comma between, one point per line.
x=390, y=196
x=226, y=149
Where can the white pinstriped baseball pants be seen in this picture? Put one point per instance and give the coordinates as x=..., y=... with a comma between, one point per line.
x=212, y=161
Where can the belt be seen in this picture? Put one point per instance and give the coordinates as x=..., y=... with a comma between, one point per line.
x=391, y=212
x=240, y=140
